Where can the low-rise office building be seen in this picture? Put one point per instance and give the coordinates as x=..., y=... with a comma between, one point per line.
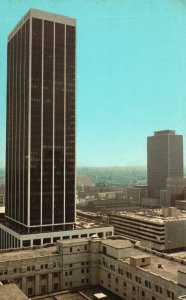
x=174, y=190
x=134, y=194
x=154, y=229
x=126, y=269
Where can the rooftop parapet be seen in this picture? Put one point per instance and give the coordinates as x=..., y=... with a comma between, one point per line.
x=161, y=132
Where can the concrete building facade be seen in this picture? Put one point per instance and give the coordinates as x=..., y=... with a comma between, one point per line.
x=127, y=270
x=155, y=229
x=174, y=191
x=135, y=194
x=164, y=159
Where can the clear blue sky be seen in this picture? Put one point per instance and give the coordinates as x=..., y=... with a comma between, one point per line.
x=131, y=73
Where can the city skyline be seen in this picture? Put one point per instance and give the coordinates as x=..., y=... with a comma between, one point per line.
x=131, y=70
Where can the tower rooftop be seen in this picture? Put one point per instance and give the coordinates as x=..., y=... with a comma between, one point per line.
x=161, y=132
x=35, y=13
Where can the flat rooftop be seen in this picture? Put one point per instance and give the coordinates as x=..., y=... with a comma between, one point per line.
x=83, y=222
x=160, y=266
x=76, y=241
x=28, y=253
x=80, y=294
x=140, y=256
x=164, y=132
x=64, y=296
x=119, y=244
x=35, y=13
x=180, y=255
x=169, y=269
x=11, y=292
x=150, y=215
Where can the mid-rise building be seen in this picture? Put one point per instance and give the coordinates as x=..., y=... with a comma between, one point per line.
x=161, y=230
x=127, y=270
x=134, y=194
x=175, y=190
x=164, y=159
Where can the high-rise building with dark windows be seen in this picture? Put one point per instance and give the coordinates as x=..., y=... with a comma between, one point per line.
x=164, y=159
x=40, y=153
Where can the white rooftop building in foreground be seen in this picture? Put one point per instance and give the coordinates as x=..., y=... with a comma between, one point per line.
x=126, y=269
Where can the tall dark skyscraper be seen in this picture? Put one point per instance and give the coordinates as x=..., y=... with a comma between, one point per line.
x=164, y=159
x=40, y=154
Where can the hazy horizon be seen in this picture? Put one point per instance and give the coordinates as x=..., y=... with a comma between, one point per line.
x=109, y=166
x=131, y=73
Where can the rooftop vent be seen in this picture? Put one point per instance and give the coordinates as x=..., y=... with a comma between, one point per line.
x=94, y=236
x=160, y=266
x=100, y=296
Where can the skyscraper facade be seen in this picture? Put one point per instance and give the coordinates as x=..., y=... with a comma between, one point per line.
x=164, y=159
x=40, y=153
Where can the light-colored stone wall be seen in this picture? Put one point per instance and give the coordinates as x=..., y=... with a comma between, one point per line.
x=34, y=276
x=83, y=262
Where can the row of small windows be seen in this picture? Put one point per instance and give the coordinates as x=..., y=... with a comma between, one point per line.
x=69, y=273
x=83, y=280
x=31, y=279
x=148, y=284
x=143, y=294
x=30, y=268
x=30, y=290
